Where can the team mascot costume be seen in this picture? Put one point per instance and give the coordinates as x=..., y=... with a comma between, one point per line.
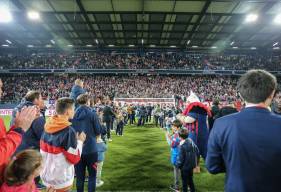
x=195, y=117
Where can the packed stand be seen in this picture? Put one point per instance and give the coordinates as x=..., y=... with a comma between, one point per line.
x=53, y=87
x=95, y=60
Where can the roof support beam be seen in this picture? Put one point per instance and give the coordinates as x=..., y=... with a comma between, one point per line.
x=81, y=7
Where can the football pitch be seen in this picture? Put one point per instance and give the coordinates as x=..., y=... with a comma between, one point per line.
x=139, y=161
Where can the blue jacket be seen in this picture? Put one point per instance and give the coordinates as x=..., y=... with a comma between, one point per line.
x=188, y=155
x=101, y=147
x=86, y=120
x=246, y=145
x=18, y=108
x=76, y=91
x=174, y=142
x=31, y=138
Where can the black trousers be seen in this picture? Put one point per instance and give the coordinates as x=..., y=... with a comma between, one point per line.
x=108, y=128
x=187, y=180
x=141, y=120
x=156, y=120
x=89, y=162
x=120, y=127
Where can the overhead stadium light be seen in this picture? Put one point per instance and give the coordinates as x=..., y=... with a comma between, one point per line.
x=30, y=46
x=5, y=15
x=97, y=42
x=235, y=47
x=194, y=46
x=188, y=42
x=152, y=45
x=89, y=45
x=8, y=41
x=33, y=15
x=48, y=45
x=111, y=45
x=173, y=46
x=276, y=48
x=69, y=45
x=5, y=45
x=142, y=41
x=53, y=41
x=131, y=45
x=214, y=47
x=274, y=44
x=277, y=19
x=253, y=48
x=251, y=18
x=232, y=43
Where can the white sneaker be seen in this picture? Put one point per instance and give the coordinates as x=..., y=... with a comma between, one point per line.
x=99, y=183
x=109, y=140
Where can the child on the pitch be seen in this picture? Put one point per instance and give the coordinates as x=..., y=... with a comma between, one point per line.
x=187, y=160
x=61, y=147
x=174, y=141
x=101, y=147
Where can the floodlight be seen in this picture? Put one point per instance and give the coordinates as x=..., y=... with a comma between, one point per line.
x=142, y=41
x=274, y=44
x=152, y=46
x=5, y=45
x=131, y=45
x=48, y=45
x=8, y=41
x=97, y=42
x=173, y=46
x=214, y=47
x=276, y=48
x=53, y=41
x=89, y=45
x=188, y=42
x=30, y=46
x=235, y=47
x=70, y=45
x=232, y=43
x=194, y=46
x=253, y=48
x=33, y=15
x=251, y=18
x=110, y=45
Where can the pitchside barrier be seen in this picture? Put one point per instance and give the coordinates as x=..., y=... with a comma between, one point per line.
x=8, y=112
x=144, y=101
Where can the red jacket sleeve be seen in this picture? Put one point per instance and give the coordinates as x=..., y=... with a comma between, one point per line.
x=8, y=143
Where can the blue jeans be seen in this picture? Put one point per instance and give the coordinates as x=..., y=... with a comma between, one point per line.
x=88, y=161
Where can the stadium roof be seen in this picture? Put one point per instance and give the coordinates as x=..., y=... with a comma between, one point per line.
x=142, y=23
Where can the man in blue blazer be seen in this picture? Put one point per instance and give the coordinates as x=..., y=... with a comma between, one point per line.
x=247, y=145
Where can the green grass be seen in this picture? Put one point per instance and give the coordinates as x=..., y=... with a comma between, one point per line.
x=139, y=161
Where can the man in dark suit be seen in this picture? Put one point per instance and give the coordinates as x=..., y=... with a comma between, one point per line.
x=107, y=118
x=246, y=145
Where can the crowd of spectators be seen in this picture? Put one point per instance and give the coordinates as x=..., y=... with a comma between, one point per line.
x=94, y=60
x=53, y=87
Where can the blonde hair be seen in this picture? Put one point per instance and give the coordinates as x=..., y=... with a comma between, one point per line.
x=78, y=82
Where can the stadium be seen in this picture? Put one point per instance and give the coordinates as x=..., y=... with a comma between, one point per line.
x=140, y=95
